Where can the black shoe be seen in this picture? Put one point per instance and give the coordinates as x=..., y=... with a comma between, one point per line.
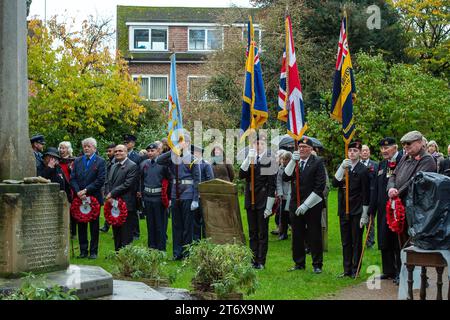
x=307, y=251
x=135, y=238
x=396, y=280
x=93, y=256
x=387, y=276
x=283, y=237
x=317, y=270
x=296, y=267
x=346, y=274
x=275, y=232
x=258, y=266
x=104, y=229
x=141, y=216
x=82, y=256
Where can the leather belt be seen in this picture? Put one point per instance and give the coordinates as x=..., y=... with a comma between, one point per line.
x=183, y=181
x=153, y=190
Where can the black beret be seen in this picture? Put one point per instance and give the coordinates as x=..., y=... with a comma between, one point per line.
x=355, y=144
x=38, y=138
x=388, y=141
x=306, y=140
x=129, y=137
x=152, y=146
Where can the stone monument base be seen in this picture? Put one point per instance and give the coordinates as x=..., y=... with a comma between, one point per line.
x=89, y=281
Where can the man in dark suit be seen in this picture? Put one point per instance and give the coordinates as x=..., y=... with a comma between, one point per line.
x=372, y=166
x=265, y=169
x=306, y=219
x=445, y=165
x=121, y=182
x=38, y=143
x=87, y=179
x=351, y=225
x=129, y=141
x=388, y=241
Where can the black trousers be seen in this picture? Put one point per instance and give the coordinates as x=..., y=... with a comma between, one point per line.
x=284, y=220
x=258, y=229
x=351, y=238
x=85, y=247
x=135, y=224
x=155, y=215
x=123, y=235
x=182, y=227
x=391, y=262
x=199, y=224
x=73, y=226
x=371, y=237
x=307, y=227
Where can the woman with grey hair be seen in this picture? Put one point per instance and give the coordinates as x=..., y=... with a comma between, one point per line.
x=66, y=162
x=433, y=149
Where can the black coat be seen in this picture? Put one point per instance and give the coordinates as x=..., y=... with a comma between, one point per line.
x=312, y=179
x=378, y=199
x=265, y=182
x=359, y=185
x=122, y=181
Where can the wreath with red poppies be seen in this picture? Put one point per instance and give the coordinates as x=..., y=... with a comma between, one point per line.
x=116, y=212
x=395, y=217
x=86, y=210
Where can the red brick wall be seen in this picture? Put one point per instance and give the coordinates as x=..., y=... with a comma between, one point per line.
x=183, y=71
x=178, y=39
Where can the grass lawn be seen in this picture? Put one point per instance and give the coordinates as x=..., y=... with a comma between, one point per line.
x=274, y=281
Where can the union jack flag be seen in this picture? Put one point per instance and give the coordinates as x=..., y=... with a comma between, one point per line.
x=290, y=100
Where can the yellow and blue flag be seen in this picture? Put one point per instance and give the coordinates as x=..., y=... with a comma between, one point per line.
x=344, y=86
x=254, y=104
x=175, y=125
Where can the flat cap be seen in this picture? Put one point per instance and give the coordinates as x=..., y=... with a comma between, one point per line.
x=411, y=136
x=306, y=140
x=38, y=138
x=387, y=141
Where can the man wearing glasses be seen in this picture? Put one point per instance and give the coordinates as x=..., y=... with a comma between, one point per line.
x=416, y=159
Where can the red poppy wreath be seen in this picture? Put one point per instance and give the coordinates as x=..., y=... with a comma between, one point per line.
x=116, y=212
x=395, y=217
x=85, y=211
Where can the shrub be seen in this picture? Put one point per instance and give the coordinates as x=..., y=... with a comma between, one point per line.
x=223, y=269
x=140, y=262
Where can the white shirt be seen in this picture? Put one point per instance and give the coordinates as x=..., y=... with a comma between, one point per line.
x=123, y=161
x=304, y=162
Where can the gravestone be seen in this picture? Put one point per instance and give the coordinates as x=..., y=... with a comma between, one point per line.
x=34, y=229
x=221, y=212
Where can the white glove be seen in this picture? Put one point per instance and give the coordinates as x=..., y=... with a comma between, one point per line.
x=346, y=163
x=194, y=205
x=250, y=158
x=296, y=155
x=290, y=168
x=269, y=206
x=302, y=209
x=310, y=202
x=364, y=217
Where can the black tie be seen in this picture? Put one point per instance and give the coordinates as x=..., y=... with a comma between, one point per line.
x=302, y=164
x=153, y=161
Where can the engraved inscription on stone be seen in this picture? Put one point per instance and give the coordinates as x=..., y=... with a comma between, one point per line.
x=2, y=243
x=41, y=233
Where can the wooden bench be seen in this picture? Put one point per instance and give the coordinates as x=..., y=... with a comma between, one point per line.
x=425, y=260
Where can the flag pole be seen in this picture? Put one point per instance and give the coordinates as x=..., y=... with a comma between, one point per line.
x=252, y=164
x=347, y=182
x=287, y=104
x=364, y=246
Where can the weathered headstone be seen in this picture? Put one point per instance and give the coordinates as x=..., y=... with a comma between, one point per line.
x=34, y=229
x=221, y=211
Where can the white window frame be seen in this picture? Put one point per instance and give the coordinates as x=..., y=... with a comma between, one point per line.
x=189, y=92
x=259, y=38
x=206, y=28
x=149, y=76
x=149, y=28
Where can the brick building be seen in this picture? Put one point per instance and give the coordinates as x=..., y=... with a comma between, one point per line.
x=147, y=37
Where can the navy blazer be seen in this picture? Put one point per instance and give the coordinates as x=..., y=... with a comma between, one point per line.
x=91, y=179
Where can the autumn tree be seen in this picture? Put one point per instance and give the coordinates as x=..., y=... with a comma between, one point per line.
x=428, y=25
x=77, y=87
